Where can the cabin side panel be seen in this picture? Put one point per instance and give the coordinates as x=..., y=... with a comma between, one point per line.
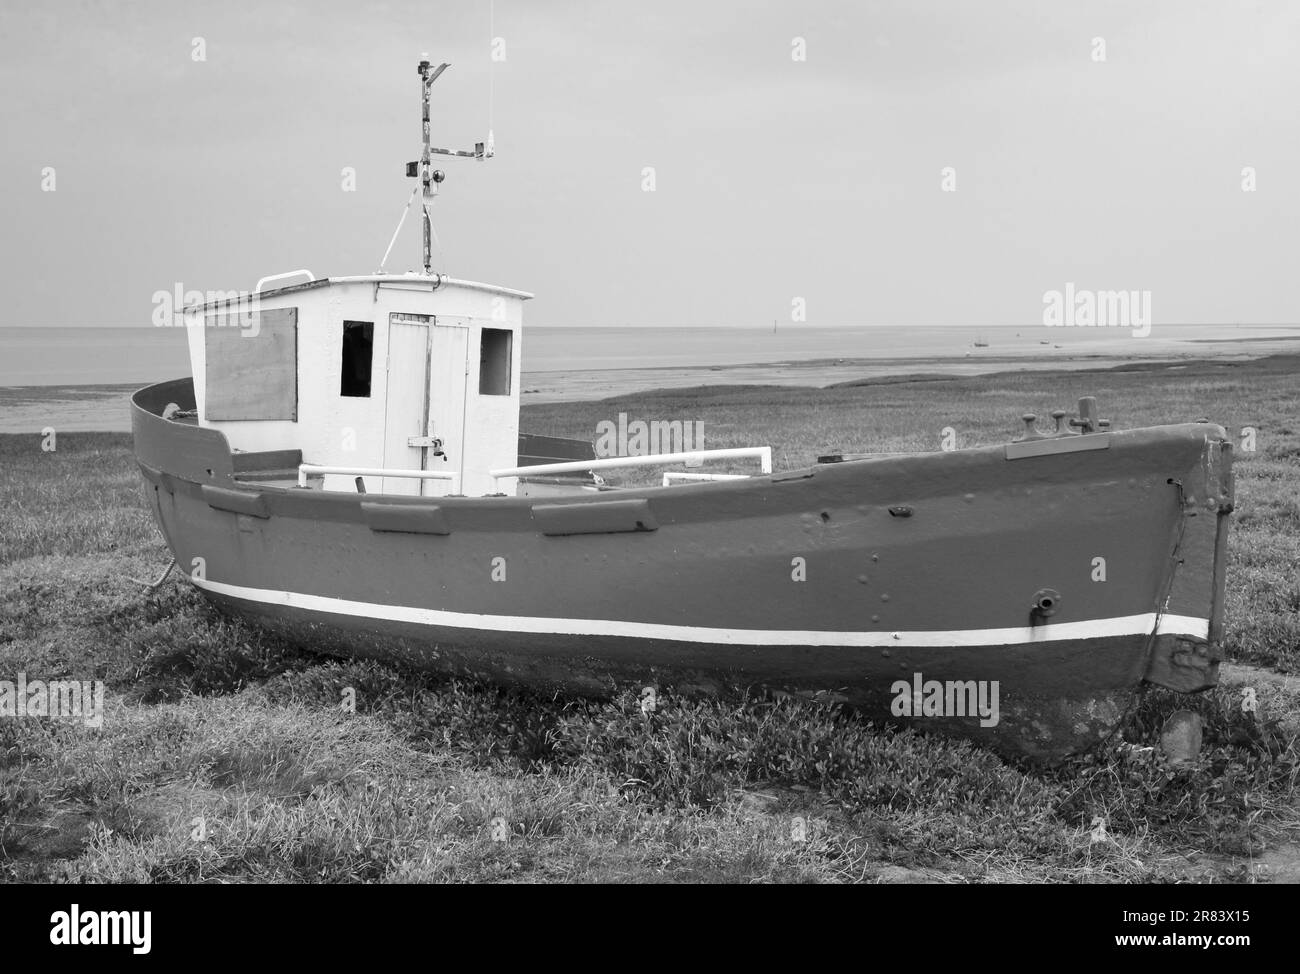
x=238, y=385
x=492, y=405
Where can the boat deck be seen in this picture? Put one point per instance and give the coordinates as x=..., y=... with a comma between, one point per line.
x=279, y=468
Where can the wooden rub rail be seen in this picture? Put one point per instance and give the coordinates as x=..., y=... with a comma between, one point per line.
x=306, y=469
x=763, y=453
x=673, y=476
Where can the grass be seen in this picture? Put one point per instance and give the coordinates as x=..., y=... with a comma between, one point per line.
x=225, y=754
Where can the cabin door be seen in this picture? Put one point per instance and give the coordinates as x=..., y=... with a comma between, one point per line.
x=407, y=408
x=450, y=360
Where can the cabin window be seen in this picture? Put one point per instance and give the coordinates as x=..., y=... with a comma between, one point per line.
x=358, y=353
x=494, y=362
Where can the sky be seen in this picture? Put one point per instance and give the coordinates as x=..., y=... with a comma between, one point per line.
x=781, y=184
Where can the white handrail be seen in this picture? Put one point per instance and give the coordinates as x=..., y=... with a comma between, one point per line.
x=312, y=468
x=671, y=475
x=764, y=454
x=276, y=277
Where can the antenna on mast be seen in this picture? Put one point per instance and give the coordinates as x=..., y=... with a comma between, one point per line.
x=421, y=169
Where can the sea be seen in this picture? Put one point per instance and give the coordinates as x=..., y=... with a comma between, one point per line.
x=78, y=378
x=107, y=356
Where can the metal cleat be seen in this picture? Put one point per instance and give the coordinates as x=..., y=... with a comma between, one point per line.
x=1088, y=421
x=1030, y=432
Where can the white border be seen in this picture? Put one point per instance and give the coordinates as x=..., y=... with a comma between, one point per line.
x=1135, y=625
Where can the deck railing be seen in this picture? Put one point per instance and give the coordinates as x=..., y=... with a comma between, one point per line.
x=306, y=469
x=762, y=453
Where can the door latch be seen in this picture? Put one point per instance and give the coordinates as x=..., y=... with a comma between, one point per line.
x=433, y=443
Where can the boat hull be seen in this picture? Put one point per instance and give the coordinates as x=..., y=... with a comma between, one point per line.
x=865, y=582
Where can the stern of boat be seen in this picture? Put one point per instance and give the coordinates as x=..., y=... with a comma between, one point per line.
x=1189, y=663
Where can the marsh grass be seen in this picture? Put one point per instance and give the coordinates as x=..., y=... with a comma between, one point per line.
x=225, y=755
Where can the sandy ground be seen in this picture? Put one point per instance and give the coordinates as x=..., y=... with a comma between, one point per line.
x=29, y=409
x=568, y=386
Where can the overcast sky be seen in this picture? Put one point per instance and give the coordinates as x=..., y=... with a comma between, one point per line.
x=775, y=178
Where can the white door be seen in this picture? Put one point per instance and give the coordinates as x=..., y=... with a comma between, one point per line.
x=450, y=360
x=407, y=406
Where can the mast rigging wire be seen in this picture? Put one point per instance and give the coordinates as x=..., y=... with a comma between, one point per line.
x=405, y=210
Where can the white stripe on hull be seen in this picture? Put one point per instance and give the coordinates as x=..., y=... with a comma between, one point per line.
x=1135, y=625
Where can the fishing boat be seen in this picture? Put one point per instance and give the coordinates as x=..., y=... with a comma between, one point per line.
x=345, y=467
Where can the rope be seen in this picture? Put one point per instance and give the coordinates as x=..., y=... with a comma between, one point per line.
x=153, y=586
x=1162, y=606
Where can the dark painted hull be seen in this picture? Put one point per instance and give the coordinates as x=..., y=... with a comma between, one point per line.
x=923, y=564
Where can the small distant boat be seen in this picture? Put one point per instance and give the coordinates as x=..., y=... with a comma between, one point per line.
x=346, y=468
x=980, y=343
x=1044, y=342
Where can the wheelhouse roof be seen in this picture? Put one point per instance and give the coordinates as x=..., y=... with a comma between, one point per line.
x=413, y=280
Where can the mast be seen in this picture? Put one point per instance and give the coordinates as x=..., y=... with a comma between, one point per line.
x=428, y=176
x=427, y=181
